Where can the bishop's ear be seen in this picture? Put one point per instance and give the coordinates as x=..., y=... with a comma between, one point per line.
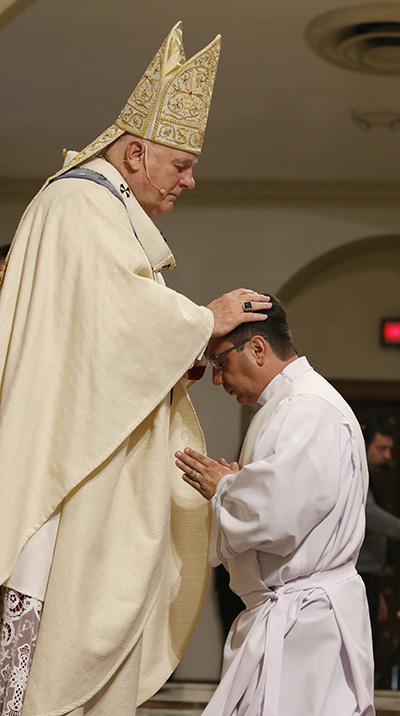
x=134, y=154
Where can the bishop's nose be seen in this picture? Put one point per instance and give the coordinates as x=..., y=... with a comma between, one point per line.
x=187, y=179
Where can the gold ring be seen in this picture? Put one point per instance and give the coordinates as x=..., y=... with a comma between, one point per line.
x=247, y=306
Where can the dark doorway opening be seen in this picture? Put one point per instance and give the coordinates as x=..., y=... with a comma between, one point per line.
x=383, y=397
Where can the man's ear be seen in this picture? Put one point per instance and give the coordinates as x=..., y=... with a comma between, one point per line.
x=134, y=154
x=260, y=348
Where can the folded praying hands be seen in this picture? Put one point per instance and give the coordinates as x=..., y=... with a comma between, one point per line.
x=203, y=473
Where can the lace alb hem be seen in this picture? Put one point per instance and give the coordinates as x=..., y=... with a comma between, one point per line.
x=19, y=628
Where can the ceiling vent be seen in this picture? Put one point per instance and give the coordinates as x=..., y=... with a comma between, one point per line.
x=365, y=38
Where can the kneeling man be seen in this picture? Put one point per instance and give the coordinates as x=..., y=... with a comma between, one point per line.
x=288, y=523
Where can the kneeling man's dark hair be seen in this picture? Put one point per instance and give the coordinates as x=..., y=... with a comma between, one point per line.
x=275, y=330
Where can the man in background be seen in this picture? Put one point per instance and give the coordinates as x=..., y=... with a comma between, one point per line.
x=381, y=525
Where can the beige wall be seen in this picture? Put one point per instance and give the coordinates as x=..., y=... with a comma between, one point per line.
x=10, y=212
x=337, y=267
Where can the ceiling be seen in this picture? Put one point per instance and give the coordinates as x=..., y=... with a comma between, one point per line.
x=280, y=112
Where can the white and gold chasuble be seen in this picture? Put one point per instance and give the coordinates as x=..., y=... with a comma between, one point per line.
x=92, y=344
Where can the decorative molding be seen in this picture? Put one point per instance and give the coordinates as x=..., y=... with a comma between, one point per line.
x=382, y=390
x=228, y=192
x=275, y=193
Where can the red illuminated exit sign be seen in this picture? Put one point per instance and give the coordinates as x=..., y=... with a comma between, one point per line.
x=390, y=332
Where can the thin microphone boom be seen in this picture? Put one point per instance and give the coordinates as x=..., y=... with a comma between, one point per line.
x=162, y=191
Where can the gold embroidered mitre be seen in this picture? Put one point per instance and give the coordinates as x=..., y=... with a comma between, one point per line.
x=170, y=104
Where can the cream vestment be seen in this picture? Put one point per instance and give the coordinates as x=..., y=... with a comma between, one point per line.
x=93, y=350
x=289, y=526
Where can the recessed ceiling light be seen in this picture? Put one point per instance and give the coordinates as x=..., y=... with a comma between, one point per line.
x=365, y=38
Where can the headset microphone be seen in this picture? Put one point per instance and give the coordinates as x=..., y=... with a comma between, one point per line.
x=162, y=191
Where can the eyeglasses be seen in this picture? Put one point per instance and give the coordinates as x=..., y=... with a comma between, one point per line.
x=214, y=358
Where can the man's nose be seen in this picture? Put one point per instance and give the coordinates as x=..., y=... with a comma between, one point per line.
x=187, y=180
x=217, y=376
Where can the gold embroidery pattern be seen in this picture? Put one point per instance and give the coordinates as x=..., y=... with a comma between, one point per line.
x=95, y=147
x=185, y=99
x=169, y=106
x=140, y=105
x=172, y=107
x=185, y=103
